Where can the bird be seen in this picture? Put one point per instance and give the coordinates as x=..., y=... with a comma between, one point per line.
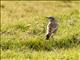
x=52, y=27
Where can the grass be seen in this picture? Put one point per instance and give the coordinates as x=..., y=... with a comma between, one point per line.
x=23, y=26
x=42, y=55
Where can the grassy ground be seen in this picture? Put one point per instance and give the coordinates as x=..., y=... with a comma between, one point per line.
x=23, y=25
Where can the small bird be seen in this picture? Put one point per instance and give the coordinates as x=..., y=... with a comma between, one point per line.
x=52, y=27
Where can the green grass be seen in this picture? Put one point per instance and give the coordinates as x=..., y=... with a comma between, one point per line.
x=23, y=26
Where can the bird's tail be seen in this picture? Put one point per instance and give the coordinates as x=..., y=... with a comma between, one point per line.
x=47, y=36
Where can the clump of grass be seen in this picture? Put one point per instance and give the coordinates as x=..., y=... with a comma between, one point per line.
x=37, y=44
x=10, y=44
x=22, y=26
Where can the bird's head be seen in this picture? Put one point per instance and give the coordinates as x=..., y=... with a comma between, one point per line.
x=51, y=18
